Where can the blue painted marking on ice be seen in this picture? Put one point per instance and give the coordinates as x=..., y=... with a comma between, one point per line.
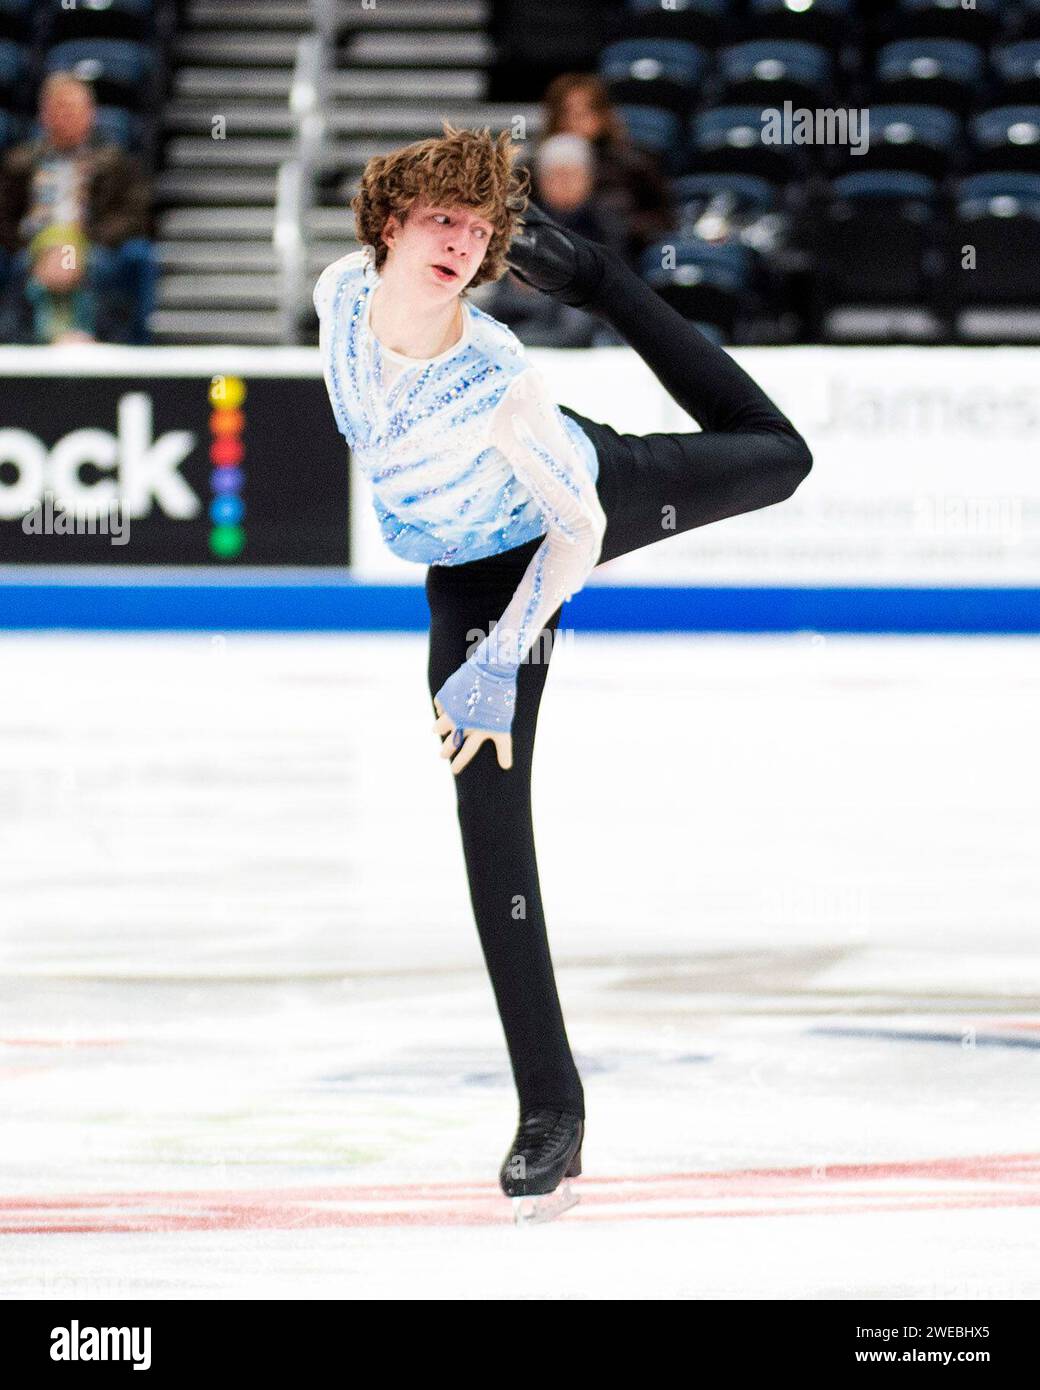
x=922, y=1035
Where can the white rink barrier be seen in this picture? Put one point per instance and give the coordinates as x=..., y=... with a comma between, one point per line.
x=922, y=507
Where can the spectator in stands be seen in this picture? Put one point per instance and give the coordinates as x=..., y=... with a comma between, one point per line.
x=627, y=180
x=564, y=177
x=75, y=213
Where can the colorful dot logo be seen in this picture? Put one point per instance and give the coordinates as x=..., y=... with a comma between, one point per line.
x=226, y=452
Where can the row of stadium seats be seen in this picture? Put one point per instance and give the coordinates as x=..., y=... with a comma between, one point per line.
x=830, y=22
x=756, y=195
x=680, y=75
x=872, y=240
x=923, y=139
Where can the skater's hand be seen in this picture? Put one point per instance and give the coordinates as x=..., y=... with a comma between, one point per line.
x=481, y=694
x=468, y=741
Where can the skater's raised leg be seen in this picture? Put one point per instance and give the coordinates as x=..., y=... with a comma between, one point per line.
x=748, y=455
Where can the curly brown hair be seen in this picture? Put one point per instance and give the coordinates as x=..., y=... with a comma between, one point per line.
x=461, y=168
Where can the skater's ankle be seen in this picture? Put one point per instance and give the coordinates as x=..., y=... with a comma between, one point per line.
x=561, y=1107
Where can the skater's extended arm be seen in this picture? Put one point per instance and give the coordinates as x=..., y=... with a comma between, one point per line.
x=528, y=429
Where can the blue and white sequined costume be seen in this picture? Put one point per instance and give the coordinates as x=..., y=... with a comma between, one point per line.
x=467, y=456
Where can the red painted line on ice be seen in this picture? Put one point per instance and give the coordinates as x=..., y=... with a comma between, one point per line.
x=995, y=1180
x=493, y=1211
x=969, y=1166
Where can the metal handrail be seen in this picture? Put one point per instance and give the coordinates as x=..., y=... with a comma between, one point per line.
x=294, y=195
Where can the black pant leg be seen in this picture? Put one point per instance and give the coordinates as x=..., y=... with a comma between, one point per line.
x=652, y=486
x=747, y=455
x=494, y=814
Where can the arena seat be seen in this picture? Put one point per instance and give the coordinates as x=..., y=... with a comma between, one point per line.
x=657, y=130
x=100, y=19
x=17, y=19
x=703, y=21
x=119, y=70
x=1026, y=21
x=707, y=282
x=826, y=22
x=771, y=71
x=936, y=72
x=744, y=193
x=723, y=209
x=728, y=139
x=654, y=72
x=978, y=23
x=1017, y=65
x=995, y=297
x=1008, y=137
x=878, y=258
x=14, y=75
x=919, y=139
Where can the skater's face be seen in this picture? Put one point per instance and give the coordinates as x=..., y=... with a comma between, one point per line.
x=440, y=248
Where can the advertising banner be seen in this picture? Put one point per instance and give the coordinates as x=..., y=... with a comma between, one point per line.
x=174, y=457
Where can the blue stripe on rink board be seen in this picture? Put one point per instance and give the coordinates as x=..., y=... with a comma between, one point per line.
x=354, y=606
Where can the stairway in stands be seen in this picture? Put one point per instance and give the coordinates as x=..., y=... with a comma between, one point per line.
x=396, y=70
x=215, y=197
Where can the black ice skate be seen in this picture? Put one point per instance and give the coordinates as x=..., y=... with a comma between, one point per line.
x=554, y=260
x=546, y=1150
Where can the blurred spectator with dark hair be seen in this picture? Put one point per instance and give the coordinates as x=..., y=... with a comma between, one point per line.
x=564, y=177
x=629, y=181
x=74, y=212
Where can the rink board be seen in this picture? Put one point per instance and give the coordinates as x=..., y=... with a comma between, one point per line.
x=358, y=607
x=920, y=514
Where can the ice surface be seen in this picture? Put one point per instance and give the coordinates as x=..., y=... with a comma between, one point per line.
x=248, y=1048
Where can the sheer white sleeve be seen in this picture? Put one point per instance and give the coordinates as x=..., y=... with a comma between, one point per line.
x=527, y=427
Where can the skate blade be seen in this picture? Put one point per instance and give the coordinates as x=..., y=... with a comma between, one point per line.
x=534, y=1211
